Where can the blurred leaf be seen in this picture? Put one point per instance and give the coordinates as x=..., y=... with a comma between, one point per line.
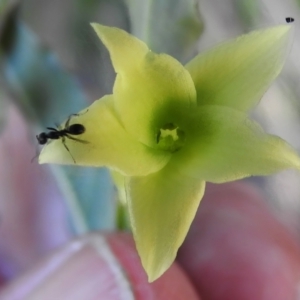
x=47, y=94
x=94, y=189
x=3, y=106
x=249, y=10
x=169, y=26
x=6, y=7
x=90, y=55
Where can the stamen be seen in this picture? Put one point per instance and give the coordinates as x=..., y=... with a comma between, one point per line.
x=170, y=137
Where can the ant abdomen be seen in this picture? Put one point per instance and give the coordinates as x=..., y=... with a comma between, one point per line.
x=75, y=129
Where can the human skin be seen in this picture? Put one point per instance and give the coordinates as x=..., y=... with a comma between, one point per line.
x=235, y=249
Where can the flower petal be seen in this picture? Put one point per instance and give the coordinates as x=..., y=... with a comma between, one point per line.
x=224, y=145
x=105, y=143
x=238, y=72
x=151, y=90
x=161, y=207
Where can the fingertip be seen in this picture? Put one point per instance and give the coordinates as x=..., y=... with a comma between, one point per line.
x=98, y=266
x=173, y=284
x=236, y=247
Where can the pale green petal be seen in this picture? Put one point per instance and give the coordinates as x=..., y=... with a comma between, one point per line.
x=106, y=143
x=151, y=90
x=224, y=145
x=126, y=51
x=162, y=207
x=238, y=72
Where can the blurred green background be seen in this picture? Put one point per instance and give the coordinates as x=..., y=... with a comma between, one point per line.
x=53, y=65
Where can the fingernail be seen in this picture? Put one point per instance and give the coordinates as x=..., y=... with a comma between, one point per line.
x=84, y=269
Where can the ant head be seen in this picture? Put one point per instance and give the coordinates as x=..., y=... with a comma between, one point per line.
x=42, y=138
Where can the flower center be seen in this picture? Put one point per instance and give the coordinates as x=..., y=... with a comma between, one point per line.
x=170, y=137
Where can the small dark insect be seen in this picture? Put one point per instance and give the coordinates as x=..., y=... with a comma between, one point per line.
x=67, y=132
x=289, y=20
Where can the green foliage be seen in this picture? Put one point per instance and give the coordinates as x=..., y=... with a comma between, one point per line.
x=46, y=93
x=170, y=26
x=250, y=11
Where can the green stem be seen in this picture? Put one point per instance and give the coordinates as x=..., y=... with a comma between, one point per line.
x=123, y=223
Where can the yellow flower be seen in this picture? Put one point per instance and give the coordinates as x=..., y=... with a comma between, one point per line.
x=169, y=128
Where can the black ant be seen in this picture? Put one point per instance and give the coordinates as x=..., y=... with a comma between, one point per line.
x=289, y=20
x=67, y=132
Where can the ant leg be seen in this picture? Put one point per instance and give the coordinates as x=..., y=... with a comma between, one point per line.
x=51, y=128
x=85, y=112
x=64, y=143
x=73, y=115
x=68, y=121
x=77, y=140
x=77, y=115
